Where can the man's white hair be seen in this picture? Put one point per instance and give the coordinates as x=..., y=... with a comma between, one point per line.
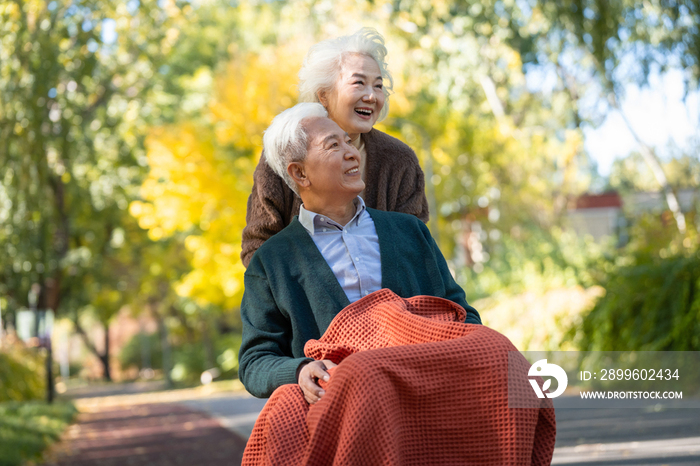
x=286, y=141
x=323, y=62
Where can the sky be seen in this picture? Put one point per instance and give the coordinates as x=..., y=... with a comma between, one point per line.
x=657, y=113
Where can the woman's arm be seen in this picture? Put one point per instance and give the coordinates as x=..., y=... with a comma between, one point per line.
x=270, y=209
x=395, y=176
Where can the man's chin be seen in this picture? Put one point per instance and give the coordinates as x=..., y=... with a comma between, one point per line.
x=349, y=195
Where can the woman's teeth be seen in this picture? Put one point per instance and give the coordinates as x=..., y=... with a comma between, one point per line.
x=363, y=111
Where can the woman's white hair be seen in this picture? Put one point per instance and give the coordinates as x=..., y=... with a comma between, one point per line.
x=323, y=62
x=286, y=141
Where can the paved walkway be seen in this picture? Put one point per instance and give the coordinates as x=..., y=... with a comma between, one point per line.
x=165, y=428
x=149, y=434
x=209, y=426
x=626, y=436
x=235, y=411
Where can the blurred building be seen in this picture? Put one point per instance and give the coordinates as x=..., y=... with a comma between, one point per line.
x=598, y=215
x=608, y=214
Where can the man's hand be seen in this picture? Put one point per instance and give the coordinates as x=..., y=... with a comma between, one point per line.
x=309, y=376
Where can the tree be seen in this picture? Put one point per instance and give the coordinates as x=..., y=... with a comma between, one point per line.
x=602, y=46
x=201, y=172
x=78, y=81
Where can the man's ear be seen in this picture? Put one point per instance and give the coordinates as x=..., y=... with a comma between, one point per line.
x=298, y=174
x=323, y=97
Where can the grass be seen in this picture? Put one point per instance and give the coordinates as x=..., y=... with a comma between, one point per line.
x=27, y=428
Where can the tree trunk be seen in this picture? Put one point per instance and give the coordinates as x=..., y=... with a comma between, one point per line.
x=208, y=345
x=49, y=371
x=145, y=350
x=653, y=162
x=104, y=358
x=165, y=343
x=107, y=373
x=52, y=285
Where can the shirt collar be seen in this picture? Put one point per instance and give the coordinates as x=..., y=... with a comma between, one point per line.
x=314, y=222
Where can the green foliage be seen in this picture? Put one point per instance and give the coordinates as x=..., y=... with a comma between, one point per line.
x=657, y=33
x=22, y=374
x=651, y=305
x=69, y=107
x=75, y=103
x=131, y=354
x=632, y=174
x=26, y=429
x=536, y=260
x=189, y=358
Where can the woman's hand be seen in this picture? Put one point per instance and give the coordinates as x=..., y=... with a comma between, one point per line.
x=309, y=376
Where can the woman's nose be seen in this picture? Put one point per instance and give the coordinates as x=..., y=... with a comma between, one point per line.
x=370, y=97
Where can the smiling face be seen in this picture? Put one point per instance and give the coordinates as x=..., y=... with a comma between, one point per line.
x=357, y=97
x=330, y=173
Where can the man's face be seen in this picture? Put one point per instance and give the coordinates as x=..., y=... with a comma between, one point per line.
x=332, y=163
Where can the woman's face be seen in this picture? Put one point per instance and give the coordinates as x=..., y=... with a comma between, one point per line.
x=357, y=98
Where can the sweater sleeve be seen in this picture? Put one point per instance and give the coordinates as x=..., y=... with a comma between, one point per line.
x=265, y=360
x=453, y=291
x=396, y=176
x=269, y=209
x=411, y=198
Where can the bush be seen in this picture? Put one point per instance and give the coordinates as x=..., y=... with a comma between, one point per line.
x=552, y=313
x=536, y=263
x=26, y=429
x=22, y=374
x=188, y=358
x=131, y=353
x=651, y=305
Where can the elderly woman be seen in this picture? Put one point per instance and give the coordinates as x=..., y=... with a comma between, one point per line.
x=335, y=252
x=348, y=76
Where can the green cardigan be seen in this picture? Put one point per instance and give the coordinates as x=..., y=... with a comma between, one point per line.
x=291, y=295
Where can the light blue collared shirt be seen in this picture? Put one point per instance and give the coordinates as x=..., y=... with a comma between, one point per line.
x=352, y=251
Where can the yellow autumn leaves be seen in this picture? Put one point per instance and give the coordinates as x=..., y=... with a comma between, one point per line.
x=201, y=172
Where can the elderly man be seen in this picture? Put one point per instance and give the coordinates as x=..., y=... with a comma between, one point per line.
x=335, y=252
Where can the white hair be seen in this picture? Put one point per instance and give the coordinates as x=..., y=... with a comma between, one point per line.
x=286, y=141
x=323, y=62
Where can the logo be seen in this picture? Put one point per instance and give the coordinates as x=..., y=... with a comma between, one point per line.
x=542, y=369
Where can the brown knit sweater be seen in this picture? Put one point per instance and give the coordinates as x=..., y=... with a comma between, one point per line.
x=394, y=182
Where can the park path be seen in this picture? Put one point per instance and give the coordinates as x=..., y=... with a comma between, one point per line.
x=148, y=434
x=165, y=428
x=210, y=426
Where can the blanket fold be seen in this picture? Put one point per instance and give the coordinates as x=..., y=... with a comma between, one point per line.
x=413, y=386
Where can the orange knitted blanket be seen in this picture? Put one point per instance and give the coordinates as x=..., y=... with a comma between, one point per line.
x=416, y=386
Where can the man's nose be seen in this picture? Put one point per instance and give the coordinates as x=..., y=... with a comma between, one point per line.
x=352, y=152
